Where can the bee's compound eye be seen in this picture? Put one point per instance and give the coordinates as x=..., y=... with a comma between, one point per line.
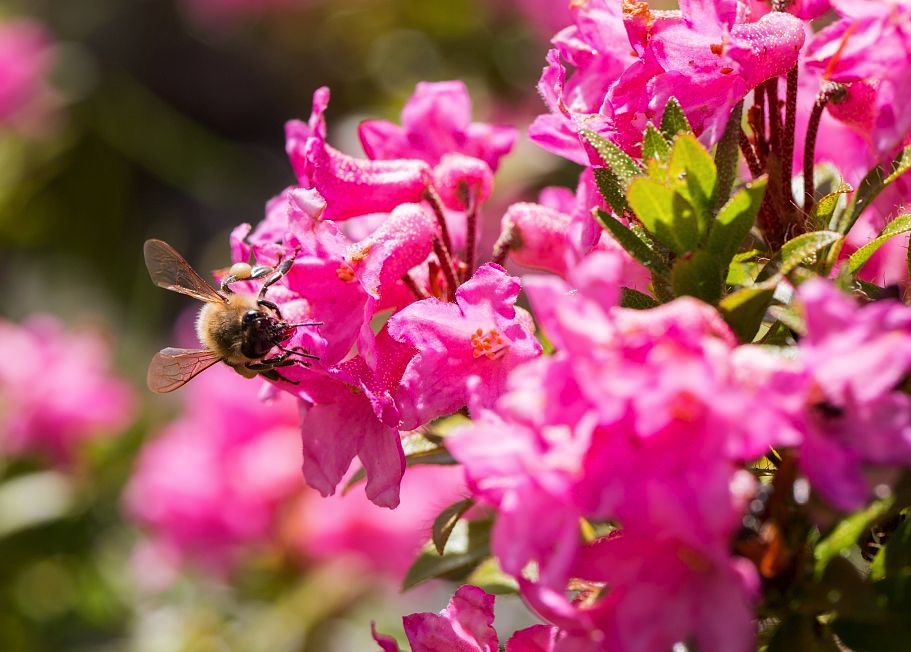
x=249, y=317
x=240, y=271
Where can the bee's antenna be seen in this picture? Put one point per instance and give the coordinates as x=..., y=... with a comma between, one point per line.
x=307, y=323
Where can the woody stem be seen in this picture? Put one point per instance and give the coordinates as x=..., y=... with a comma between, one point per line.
x=831, y=92
x=471, y=235
x=446, y=265
x=437, y=205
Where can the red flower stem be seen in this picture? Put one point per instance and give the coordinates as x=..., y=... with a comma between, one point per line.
x=831, y=92
x=750, y=155
x=771, y=90
x=471, y=235
x=437, y=205
x=412, y=285
x=757, y=122
x=787, y=146
x=449, y=272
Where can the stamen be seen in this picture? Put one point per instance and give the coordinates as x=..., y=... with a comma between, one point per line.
x=492, y=345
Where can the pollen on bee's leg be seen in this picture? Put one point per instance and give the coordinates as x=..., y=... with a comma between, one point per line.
x=492, y=345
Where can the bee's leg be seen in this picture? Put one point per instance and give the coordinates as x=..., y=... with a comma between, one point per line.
x=280, y=270
x=271, y=306
x=298, y=350
x=273, y=375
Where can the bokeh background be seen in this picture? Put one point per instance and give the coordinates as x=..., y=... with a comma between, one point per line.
x=130, y=521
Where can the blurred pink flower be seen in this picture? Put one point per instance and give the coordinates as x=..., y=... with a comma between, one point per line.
x=855, y=418
x=349, y=525
x=57, y=389
x=26, y=58
x=436, y=121
x=208, y=487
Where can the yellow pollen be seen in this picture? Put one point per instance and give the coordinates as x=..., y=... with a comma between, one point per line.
x=491, y=345
x=345, y=272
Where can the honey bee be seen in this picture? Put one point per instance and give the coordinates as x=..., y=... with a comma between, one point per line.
x=237, y=329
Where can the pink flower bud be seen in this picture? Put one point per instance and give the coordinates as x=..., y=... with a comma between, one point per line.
x=462, y=180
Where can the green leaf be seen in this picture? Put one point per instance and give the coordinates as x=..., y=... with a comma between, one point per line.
x=698, y=274
x=619, y=162
x=654, y=147
x=692, y=172
x=633, y=245
x=890, y=633
x=744, y=309
x=674, y=120
x=873, y=184
x=630, y=298
x=804, y=247
x=468, y=546
x=734, y=221
x=665, y=213
x=801, y=633
x=821, y=215
x=727, y=155
x=446, y=520
x=611, y=189
x=848, y=531
x=899, y=225
x=893, y=561
x=490, y=577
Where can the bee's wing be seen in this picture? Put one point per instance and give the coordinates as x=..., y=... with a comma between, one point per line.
x=172, y=368
x=169, y=270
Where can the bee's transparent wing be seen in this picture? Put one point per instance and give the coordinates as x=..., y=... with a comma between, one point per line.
x=172, y=368
x=169, y=270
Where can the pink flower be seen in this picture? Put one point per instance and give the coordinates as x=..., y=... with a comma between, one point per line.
x=855, y=418
x=870, y=48
x=209, y=486
x=700, y=55
x=26, y=58
x=351, y=186
x=57, y=390
x=436, y=121
x=465, y=625
x=637, y=419
x=480, y=335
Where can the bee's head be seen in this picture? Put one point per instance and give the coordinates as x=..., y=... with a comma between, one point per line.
x=261, y=331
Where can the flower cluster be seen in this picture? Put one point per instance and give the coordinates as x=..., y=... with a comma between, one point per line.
x=658, y=447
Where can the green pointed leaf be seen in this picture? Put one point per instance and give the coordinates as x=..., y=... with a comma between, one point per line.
x=698, y=274
x=446, y=521
x=727, y=155
x=665, y=213
x=821, y=215
x=467, y=547
x=804, y=247
x=490, y=577
x=619, y=162
x=734, y=221
x=630, y=298
x=848, y=531
x=744, y=309
x=654, y=147
x=674, y=120
x=899, y=225
x=611, y=189
x=633, y=245
x=692, y=173
x=873, y=184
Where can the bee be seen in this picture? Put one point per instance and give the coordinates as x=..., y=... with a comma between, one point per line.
x=237, y=329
